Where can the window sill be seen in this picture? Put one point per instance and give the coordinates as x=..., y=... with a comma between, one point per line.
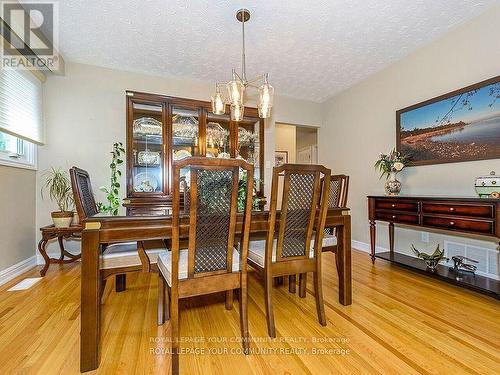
x=18, y=163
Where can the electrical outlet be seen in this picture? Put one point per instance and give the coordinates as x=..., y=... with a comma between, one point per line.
x=424, y=237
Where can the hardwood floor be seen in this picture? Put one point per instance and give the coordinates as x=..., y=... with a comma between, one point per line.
x=399, y=323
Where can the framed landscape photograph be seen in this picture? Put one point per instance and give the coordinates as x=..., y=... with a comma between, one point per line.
x=463, y=125
x=280, y=158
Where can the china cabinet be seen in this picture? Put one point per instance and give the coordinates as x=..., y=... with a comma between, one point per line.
x=162, y=129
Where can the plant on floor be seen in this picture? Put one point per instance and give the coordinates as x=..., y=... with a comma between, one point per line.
x=113, y=191
x=59, y=187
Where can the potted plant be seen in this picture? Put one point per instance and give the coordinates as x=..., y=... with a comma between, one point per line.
x=390, y=165
x=112, y=193
x=59, y=187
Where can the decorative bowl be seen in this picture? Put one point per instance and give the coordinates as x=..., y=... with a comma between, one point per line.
x=148, y=158
x=147, y=126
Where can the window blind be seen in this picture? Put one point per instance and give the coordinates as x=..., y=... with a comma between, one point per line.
x=21, y=105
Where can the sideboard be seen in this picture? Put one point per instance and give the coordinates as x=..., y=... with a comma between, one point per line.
x=478, y=216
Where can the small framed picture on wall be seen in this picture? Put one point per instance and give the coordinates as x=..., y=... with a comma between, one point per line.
x=280, y=158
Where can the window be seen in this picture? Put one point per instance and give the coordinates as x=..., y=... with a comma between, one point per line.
x=17, y=152
x=21, y=125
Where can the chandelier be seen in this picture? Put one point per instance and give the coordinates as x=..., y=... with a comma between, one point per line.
x=238, y=84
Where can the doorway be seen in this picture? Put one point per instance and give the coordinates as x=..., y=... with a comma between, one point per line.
x=296, y=144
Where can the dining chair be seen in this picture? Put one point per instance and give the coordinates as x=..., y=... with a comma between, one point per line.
x=297, y=248
x=339, y=187
x=117, y=258
x=211, y=262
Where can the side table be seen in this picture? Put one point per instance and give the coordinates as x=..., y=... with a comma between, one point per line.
x=50, y=232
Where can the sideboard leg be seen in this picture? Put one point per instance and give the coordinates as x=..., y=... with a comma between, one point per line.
x=372, y=240
x=391, y=237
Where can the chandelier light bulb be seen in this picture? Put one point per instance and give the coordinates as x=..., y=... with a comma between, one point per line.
x=237, y=112
x=266, y=94
x=235, y=90
x=218, y=106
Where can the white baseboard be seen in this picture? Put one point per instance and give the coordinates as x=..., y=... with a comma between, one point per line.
x=40, y=261
x=363, y=246
x=17, y=269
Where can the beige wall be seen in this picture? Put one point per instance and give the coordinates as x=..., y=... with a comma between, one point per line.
x=360, y=122
x=85, y=114
x=285, y=136
x=17, y=210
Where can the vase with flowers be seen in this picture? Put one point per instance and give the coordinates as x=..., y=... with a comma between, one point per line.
x=390, y=165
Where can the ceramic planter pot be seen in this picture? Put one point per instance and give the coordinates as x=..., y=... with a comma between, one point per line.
x=76, y=218
x=62, y=219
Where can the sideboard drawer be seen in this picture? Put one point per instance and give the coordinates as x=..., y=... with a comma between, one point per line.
x=397, y=205
x=484, y=211
x=474, y=226
x=397, y=217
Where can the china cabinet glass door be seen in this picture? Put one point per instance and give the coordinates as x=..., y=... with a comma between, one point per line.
x=185, y=133
x=249, y=145
x=217, y=137
x=185, y=137
x=147, y=148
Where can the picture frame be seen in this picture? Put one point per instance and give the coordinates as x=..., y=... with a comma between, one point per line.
x=462, y=125
x=280, y=158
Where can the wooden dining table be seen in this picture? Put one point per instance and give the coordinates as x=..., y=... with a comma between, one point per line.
x=100, y=230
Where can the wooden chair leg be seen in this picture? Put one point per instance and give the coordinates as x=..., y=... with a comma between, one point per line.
x=120, y=283
x=161, y=300
x=277, y=281
x=229, y=299
x=174, y=329
x=269, y=306
x=243, y=298
x=167, y=301
x=302, y=285
x=320, y=307
x=292, y=283
x=337, y=264
x=103, y=286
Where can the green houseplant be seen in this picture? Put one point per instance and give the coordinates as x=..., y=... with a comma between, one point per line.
x=112, y=193
x=59, y=188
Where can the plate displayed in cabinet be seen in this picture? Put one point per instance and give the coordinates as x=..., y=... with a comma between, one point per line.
x=185, y=126
x=145, y=182
x=147, y=126
x=148, y=158
x=181, y=154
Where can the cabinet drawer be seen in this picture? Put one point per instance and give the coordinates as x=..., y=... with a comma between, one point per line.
x=484, y=211
x=397, y=217
x=396, y=205
x=474, y=226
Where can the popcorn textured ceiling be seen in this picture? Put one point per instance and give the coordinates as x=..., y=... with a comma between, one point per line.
x=312, y=49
